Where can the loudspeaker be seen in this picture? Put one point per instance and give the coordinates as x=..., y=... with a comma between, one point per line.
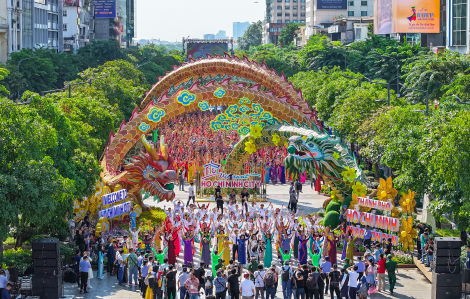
x=443, y=260
x=445, y=292
x=444, y=252
x=47, y=282
x=447, y=269
x=13, y=274
x=446, y=279
x=447, y=242
x=465, y=275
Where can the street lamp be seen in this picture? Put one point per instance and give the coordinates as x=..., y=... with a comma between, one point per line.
x=427, y=99
x=398, y=72
x=18, y=70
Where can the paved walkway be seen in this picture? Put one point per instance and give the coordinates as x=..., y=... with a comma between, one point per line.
x=410, y=282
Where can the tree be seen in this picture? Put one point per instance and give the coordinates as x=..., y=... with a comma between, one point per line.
x=287, y=34
x=253, y=36
x=99, y=52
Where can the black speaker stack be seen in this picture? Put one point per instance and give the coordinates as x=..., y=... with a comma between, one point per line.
x=446, y=277
x=47, y=279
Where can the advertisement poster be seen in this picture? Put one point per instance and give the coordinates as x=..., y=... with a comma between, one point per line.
x=332, y=4
x=105, y=9
x=383, y=17
x=417, y=16
x=196, y=50
x=69, y=3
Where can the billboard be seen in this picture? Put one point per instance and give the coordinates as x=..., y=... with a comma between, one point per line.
x=196, y=50
x=332, y=4
x=105, y=9
x=418, y=16
x=406, y=16
x=69, y=3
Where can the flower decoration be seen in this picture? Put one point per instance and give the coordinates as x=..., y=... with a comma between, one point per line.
x=395, y=213
x=250, y=147
x=243, y=130
x=408, y=202
x=336, y=155
x=256, y=131
x=276, y=139
x=407, y=233
x=244, y=101
x=349, y=175
x=144, y=127
x=355, y=202
x=138, y=210
x=155, y=114
x=204, y=106
x=359, y=188
x=219, y=92
x=244, y=109
x=185, y=98
x=386, y=191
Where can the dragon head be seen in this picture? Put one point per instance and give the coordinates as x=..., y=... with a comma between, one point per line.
x=153, y=171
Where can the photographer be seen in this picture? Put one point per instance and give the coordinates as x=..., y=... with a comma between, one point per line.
x=220, y=285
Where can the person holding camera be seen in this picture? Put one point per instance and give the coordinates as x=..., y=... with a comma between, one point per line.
x=220, y=285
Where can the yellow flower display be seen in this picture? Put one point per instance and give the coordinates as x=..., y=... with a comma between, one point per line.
x=336, y=155
x=408, y=202
x=276, y=139
x=395, y=212
x=255, y=131
x=407, y=233
x=359, y=188
x=349, y=175
x=250, y=147
x=386, y=191
x=355, y=202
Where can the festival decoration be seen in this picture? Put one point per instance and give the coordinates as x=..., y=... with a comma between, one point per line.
x=407, y=234
x=144, y=127
x=155, y=114
x=385, y=191
x=359, y=189
x=244, y=101
x=349, y=174
x=355, y=202
x=408, y=202
x=255, y=131
x=395, y=213
x=203, y=106
x=336, y=156
x=276, y=139
x=219, y=92
x=250, y=147
x=238, y=117
x=185, y=98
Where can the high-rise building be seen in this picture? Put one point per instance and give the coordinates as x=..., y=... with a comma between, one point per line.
x=239, y=29
x=209, y=36
x=76, y=20
x=286, y=11
x=221, y=35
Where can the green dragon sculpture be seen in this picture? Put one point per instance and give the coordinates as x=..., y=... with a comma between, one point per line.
x=309, y=149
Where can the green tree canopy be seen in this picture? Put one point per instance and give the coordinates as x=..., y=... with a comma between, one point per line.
x=253, y=36
x=287, y=34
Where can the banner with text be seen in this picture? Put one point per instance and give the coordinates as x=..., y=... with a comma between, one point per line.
x=376, y=236
x=116, y=210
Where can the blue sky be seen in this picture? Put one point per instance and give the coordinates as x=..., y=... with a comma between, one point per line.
x=173, y=19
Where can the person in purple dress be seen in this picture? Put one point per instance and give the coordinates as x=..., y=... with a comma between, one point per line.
x=188, y=247
x=273, y=173
x=282, y=176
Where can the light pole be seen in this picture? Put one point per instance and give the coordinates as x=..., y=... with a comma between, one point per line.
x=427, y=99
x=398, y=73
x=18, y=70
x=459, y=100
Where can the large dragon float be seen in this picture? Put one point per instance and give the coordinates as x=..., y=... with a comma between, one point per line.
x=131, y=162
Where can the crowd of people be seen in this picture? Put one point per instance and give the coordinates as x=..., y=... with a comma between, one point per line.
x=265, y=246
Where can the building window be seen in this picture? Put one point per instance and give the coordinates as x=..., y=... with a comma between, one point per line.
x=287, y=21
x=286, y=7
x=64, y=27
x=302, y=21
x=279, y=0
x=302, y=14
x=302, y=1
x=287, y=1
x=279, y=21
x=294, y=14
x=295, y=21
x=287, y=14
x=294, y=7
x=363, y=13
x=294, y=1
x=363, y=3
x=279, y=7
x=64, y=12
x=279, y=14
x=351, y=13
x=302, y=7
x=459, y=23
x=351, y=3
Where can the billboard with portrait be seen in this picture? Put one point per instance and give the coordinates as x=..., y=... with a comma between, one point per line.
x=69, y=3
x=406, y=16
x=196, y=50
x=417, y=16
x=105, y=9
x=332, y=4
